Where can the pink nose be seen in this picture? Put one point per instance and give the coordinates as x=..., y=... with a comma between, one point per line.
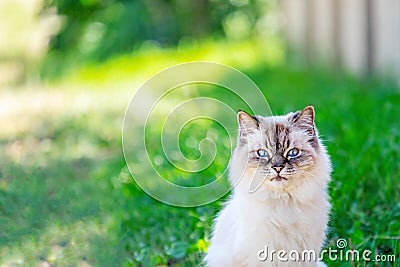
x=277, y=168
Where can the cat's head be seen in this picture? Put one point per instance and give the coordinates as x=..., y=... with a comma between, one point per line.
x=279, y=154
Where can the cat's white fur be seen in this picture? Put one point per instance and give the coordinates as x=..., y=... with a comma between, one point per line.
x=282, y=215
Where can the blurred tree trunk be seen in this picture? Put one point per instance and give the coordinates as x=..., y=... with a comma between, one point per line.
x=162, y=20
x=201, y=17
x=25, y=30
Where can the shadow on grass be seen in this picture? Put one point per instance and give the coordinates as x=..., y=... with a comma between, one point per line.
x=57, y=200
x=66, y=205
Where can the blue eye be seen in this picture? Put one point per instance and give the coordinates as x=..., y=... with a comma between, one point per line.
x=294, y=152
x=262, y=153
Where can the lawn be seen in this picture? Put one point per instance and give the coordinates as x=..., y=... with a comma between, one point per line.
x=68, y=199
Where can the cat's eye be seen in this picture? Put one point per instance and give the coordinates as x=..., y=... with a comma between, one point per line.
x=262, y=153
x=292, y=153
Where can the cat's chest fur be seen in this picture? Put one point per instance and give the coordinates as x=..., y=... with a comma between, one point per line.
x=246, y=226
x=279, y=223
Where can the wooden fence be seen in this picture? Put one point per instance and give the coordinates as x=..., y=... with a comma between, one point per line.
x=362, y=36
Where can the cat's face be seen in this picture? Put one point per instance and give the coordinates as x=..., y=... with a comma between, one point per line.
x=278, y=152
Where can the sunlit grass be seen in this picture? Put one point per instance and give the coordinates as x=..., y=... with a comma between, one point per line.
x=150, y=59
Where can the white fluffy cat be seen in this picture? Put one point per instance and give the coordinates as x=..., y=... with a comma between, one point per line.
x=279, y=172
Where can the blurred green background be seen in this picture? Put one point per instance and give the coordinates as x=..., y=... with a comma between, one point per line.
x=67, y=72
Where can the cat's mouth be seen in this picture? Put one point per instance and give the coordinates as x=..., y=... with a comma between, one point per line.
x=278, y=178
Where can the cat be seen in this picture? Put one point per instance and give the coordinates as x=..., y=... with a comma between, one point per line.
x=279, y=172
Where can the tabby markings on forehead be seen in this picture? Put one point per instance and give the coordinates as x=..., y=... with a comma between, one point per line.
x=269, y=142
x=282, y=137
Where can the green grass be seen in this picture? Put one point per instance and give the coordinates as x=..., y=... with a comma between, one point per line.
x=66, y=196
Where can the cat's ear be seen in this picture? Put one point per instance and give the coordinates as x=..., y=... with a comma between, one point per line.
x=247, y=124
x=305, y=119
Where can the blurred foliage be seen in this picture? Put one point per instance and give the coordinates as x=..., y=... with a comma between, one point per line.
x=95, y=30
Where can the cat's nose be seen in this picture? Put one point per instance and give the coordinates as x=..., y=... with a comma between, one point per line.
x=277, y=168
